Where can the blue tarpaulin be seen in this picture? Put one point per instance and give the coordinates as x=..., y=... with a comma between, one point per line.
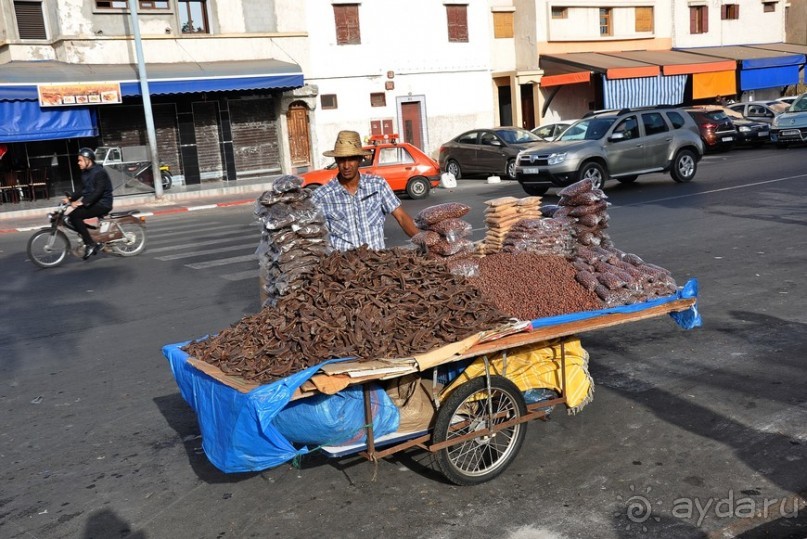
x=25, y=121
x=769, y=77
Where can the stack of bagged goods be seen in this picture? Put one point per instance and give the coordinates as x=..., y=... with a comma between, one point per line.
x=540, y=236
x=446, y=236
x=293, y=239
x=618, y=278
x=502, y=214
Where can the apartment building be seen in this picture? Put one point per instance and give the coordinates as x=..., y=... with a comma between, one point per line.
x=223, y=77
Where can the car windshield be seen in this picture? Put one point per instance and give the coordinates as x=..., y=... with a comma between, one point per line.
x=799, y=105
x=717, y=115
x=517, y=136
x=593, y=129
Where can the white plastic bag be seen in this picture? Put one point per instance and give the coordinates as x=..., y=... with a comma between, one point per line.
x=447, y=180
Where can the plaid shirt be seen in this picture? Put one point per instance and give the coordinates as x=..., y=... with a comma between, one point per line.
x=355, y=220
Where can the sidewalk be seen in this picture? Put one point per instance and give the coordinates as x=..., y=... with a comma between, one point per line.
x=27, y=216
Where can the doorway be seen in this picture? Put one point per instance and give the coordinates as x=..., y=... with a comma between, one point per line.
x=299, y=136
x=412, y=123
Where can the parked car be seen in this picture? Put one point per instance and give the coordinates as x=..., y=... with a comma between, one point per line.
x=486, y=151
x=615, y=144
x=550, y=132
x=716, y=129
x=791, y=126
x=761, y=111
x=750, y=132
x=406, y=168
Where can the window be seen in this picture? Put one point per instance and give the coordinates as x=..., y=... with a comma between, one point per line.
x=654, y=123
x=394, y=156
x=768, y=7
x=730, y=11
x=378, y=99
x=328, y=101
x=502, y=24
x=560, y=12
x=124, y=4
x=30, y=21
x=457, y=23
x=193, y=16
x=346, y=18
x=644, y=19
x=698, y=19
x=676, y=119
x=605, y=22
x=629, y=127
x=469, y=138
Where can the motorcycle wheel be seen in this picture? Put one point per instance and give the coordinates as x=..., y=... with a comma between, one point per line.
x=167, y=181
x=48, y=249
x=133, y=241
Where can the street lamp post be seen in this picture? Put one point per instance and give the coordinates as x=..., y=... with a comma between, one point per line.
x=144, y=90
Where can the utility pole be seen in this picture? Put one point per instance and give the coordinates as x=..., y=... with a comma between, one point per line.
x=144, y=90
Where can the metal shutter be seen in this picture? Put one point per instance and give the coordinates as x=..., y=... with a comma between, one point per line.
x=30, y=22
x=255, y=142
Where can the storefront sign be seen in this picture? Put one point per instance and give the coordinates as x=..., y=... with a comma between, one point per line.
x=90, y=93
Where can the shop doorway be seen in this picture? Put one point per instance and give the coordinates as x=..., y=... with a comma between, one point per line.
x=412, y=123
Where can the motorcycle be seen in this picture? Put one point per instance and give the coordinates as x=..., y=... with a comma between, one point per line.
x=120, y=233
x=142, y=172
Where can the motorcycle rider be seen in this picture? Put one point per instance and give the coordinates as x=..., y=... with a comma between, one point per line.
x=94, y=199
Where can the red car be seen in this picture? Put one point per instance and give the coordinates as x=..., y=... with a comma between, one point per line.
x=406, y=168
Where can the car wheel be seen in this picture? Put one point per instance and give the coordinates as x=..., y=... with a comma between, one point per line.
x=627, y=179
x=452, y=167
x=418, y=187
x=535, y=190
x=511, y=169
x=684, y=166
x=593, y=171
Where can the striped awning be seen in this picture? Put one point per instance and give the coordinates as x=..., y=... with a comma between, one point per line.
x=644, y=91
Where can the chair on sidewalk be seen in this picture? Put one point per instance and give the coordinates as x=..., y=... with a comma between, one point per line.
x=38, y=182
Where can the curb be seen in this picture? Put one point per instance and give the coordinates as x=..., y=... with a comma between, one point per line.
x=167, y=211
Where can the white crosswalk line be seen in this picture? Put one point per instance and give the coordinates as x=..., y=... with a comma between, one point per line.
x=178, y=246
x=228, y=248
x=224, y=262
x=242, y=275
x=206, y=231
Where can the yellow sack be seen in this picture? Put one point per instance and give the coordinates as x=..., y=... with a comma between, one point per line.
x=538, y=366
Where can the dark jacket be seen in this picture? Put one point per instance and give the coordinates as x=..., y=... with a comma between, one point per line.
x=97, y=187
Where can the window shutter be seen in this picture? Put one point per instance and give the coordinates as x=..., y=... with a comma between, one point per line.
x=346, y=18
x=502, y=24
x=30, y=22
x=457, y=23
x=705, y=21
x=737, y=11
x=644, y=19
x=724, y=10
x=693, y=17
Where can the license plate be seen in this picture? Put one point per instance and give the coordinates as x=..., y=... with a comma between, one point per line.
x=531, y=170
x=727, y=139
x=790, y=133
x=762, y=134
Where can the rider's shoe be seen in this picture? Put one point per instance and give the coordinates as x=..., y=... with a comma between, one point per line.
x=90, y=250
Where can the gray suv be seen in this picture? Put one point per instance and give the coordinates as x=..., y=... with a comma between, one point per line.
x=618, y=144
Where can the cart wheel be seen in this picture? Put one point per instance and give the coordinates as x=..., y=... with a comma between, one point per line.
x=466, y=410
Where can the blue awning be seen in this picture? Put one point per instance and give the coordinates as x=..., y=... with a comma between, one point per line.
x=644, y=91
x=25, y=121
x=770, y=77
x=19, y=79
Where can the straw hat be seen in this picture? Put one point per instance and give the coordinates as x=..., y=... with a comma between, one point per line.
x=348, y=144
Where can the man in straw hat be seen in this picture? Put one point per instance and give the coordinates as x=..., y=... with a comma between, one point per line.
x=355, y=204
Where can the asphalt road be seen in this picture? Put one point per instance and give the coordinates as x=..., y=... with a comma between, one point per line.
x=699, y=433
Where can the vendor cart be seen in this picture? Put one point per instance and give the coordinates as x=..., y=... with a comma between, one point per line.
x=478, y=428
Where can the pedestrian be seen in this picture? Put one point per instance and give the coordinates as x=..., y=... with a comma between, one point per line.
x=356, y=205
x=94, y=199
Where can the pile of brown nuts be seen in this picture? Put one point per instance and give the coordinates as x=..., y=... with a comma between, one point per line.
x=361, y=303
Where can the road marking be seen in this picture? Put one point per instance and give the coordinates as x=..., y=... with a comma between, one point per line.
x=208, y=252
x=241, y=276
x=198, y=231
x=224, y=262
x=754, y=184
x=177, y=247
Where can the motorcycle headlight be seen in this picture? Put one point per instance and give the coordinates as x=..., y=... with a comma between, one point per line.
x=556, y=158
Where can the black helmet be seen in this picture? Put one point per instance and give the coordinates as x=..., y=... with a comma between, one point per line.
x=88, y=153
